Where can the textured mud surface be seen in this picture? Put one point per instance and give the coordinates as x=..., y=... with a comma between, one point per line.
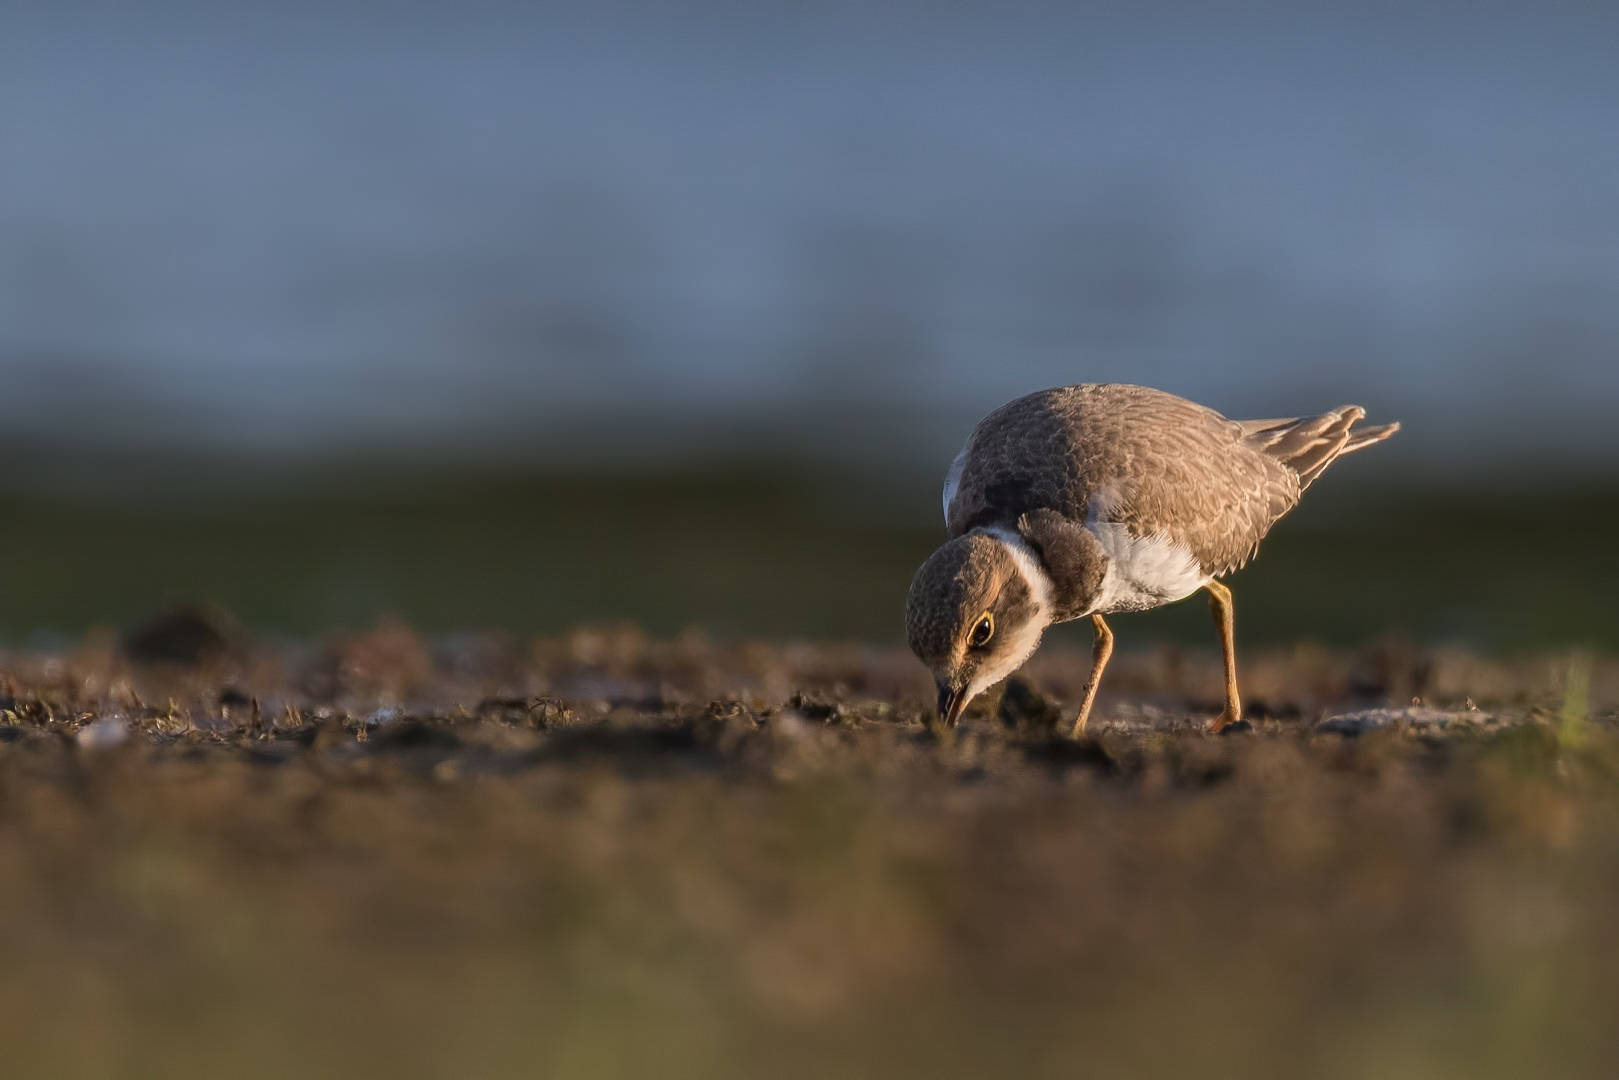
x=608, y=856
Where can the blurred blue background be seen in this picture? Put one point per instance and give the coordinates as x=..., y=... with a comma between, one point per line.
x=515, y=315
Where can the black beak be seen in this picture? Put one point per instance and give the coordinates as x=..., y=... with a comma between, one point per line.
x=951, y=703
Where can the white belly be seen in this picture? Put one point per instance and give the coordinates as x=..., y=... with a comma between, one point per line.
x=1144, y=571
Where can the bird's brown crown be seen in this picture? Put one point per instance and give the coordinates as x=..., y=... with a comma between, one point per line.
x=969, y=578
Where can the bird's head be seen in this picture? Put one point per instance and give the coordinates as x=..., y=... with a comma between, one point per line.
x=976, y=611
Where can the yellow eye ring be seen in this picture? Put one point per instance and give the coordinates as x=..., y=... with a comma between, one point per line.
x=983, y=631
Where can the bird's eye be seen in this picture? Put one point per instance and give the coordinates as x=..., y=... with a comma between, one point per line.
x=983, y=631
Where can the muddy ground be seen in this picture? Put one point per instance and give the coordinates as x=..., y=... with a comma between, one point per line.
x=608, y=856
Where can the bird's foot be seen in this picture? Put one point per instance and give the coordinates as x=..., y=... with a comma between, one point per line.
x=1226, y=722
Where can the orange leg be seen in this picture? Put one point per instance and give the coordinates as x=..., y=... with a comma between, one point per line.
x=1224, y=619
x=1099, y=658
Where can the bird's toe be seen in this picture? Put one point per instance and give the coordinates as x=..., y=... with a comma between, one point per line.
x=1225, y=724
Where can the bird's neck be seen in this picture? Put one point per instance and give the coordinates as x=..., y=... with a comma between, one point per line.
x=1031, y=568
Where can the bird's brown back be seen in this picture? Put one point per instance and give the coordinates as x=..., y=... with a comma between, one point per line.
x=1149, y=460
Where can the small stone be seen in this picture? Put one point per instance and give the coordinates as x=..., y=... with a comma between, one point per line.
x=1411, y=718
x=189, y=636
x=382, y=717
x=1026, y=709
x=103, y=734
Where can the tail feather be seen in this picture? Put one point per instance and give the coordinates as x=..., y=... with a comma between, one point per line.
x=1361, y=438
x=1308, y=444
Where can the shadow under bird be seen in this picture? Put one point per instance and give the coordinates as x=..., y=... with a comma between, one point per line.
x=1084, y=501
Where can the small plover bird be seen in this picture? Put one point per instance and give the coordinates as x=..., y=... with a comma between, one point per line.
x=1088, y=500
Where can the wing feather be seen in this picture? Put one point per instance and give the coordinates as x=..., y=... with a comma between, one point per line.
x=1156, y=463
